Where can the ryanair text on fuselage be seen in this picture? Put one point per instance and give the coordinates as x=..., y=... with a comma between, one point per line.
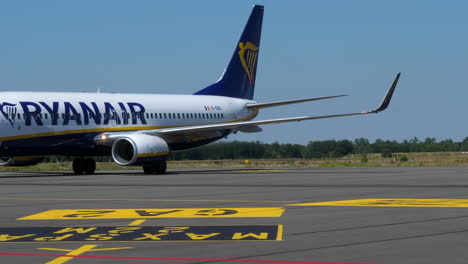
x=63, y=113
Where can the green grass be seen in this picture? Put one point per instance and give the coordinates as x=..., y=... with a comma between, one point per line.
x=355, y=160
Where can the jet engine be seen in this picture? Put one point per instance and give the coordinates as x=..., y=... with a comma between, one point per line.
x=20, y=161
x=139, y=149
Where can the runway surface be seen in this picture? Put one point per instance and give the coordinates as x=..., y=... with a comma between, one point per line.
x=236, y=216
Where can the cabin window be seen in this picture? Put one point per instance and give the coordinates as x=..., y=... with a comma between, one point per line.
x=222, y=115
x=19, y=116
x=178, y=115
x=183, y=116
x=152, y=116
x=46, y=116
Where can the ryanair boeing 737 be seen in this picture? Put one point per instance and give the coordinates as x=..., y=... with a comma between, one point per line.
x=141, y=129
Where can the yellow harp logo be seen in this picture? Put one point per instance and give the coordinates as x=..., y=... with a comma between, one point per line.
x=248, y=54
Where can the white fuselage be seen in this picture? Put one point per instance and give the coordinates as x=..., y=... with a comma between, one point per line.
x=46, y=116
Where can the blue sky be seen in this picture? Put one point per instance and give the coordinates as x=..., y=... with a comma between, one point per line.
x=309, y=49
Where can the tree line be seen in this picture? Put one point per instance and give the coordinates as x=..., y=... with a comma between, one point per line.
x=313, y=150
x=317, y=149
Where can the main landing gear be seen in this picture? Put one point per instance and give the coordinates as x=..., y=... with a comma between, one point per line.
x=84, y=166
x=157, y=167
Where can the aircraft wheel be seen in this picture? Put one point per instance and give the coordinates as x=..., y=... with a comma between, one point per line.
x=90, y=166
x=148, y=169
x=78, y=166
x=158, y=167
x=161, y=167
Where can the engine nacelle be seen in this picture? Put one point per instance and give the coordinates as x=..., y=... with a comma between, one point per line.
x=20, y=161
x=139, y=149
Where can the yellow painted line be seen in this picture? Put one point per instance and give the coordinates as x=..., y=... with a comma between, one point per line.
x=144, y=200
x=393, y=203
x=259, y=170
x=279, y=236
x=137, y=222
x=156, y=213
x=76, y=252
x=119, y=248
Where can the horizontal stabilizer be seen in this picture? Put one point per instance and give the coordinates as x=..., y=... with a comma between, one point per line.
x=273, y=104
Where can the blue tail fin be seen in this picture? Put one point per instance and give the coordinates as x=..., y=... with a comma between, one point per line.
x=238, y=80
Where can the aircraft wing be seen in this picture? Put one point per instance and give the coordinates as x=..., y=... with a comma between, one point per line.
x=273, y=104
x=247, y=124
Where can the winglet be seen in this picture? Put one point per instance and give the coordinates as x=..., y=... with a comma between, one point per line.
x=388, y=97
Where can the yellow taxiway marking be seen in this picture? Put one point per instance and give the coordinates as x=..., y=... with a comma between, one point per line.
x=77, y=252
x=279, y=235
x=393, y=203
x=137, y=222
x=259, y=170
x=145, y=200
x=156, y=213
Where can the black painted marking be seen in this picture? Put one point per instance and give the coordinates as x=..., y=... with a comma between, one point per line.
x=139, y=233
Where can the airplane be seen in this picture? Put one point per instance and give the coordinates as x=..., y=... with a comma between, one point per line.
x=142, y=129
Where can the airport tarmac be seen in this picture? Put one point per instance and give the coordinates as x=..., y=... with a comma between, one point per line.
x=384, y=215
